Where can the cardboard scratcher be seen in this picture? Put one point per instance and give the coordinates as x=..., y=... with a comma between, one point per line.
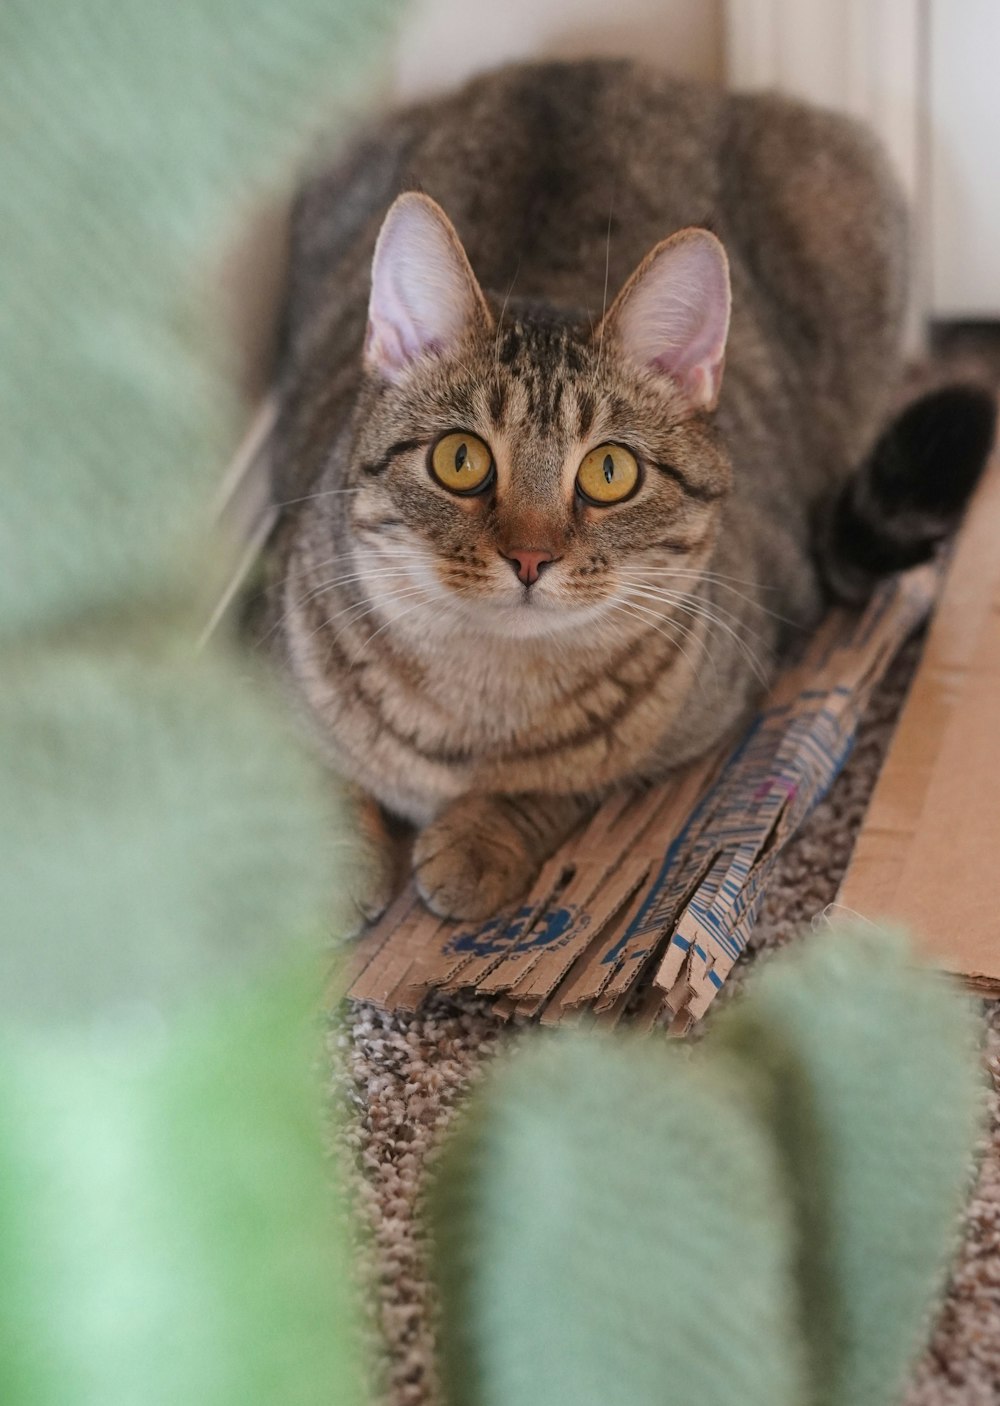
x=927, y=852
x=651, y=903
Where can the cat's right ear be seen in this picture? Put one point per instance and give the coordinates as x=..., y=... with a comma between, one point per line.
x=424, y=296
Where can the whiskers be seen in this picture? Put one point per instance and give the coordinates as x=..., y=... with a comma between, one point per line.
x=671, y=629
x=406, y=566
x=723, y=583
x=607, y=270
x=499, y=329
x=698, y=609
x=322, y=493
x=607, y=254
x=383, y=586
x=429, y=598
x=352, y=615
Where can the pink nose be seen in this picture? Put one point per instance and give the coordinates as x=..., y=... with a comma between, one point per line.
x=528, y=565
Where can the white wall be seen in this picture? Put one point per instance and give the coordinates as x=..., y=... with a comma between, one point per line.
x=963, y=44
x=443, y=41
x=859, y=56
x=923, y=73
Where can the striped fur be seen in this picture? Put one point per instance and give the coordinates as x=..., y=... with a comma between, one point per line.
x=492, y=723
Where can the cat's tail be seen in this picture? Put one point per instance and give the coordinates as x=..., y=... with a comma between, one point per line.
x=911, y=491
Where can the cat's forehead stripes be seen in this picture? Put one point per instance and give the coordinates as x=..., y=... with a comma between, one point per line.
x=542, y=370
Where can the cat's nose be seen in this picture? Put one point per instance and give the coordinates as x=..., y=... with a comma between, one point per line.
x=528, y=564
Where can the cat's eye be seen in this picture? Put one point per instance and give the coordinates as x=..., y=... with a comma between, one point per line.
x=462, y=463
x=608, y=474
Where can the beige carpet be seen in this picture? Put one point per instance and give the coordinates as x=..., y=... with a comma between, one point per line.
x=406, y=1074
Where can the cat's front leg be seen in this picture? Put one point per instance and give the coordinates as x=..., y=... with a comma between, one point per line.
x=482, y=852
x=375, y=869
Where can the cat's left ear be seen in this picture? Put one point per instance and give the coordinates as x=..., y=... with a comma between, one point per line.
x=424, y=298
x=672, y=316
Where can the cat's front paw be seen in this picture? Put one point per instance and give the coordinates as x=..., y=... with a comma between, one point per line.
x=372, y=881
x=470, y=862
x=374, y=872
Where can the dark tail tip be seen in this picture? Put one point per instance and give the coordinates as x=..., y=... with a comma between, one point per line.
x=911, y=492
x=931, y=457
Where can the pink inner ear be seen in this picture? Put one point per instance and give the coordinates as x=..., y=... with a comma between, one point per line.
x=674, y=314
x=424, y=296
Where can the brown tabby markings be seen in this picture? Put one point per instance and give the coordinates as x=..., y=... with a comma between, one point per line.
x=490, y=718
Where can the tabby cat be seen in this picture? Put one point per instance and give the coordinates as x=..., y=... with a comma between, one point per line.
x=533, y=548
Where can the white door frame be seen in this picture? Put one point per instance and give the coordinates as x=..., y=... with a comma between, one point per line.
x=864, y=57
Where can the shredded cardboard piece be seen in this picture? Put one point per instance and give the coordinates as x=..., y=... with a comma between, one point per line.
x=649, y=906
x=927, y=852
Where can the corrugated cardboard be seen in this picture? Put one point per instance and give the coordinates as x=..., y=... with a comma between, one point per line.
x=652, y=902
x=928, y=854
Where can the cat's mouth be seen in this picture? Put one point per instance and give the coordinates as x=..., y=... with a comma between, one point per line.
x=534, y=613
x=537, y=600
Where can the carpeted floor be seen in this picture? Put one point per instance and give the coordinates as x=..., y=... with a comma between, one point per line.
x=406, y=1074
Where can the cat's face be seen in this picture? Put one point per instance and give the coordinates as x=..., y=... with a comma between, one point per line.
x=528, y=473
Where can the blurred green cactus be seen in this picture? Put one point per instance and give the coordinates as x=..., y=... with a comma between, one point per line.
x=764, y=1222
x=169, y=1227
x=170, y=857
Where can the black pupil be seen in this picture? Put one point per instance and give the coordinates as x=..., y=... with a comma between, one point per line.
x=461, y=454
x=609, y=468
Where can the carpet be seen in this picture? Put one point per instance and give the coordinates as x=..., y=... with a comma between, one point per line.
x=404, y=1075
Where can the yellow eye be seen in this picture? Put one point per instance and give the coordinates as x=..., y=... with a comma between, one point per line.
x=462, y=463
x=608, y=474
